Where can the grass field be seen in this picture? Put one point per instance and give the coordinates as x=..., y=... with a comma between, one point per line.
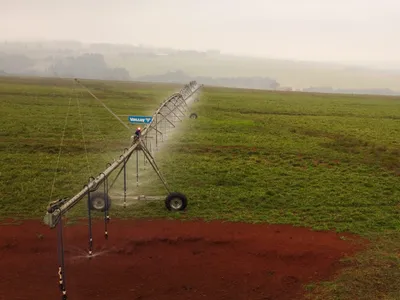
x=323, y=161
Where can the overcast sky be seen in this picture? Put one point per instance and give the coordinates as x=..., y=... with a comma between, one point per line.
x=336, y=30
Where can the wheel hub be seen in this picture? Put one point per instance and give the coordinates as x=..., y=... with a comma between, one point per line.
x=176, y=203
x=98, y=203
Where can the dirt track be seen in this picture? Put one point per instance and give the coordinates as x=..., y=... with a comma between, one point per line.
x=167, y=260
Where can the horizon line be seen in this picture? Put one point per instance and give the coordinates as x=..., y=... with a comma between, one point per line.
x=363, y=63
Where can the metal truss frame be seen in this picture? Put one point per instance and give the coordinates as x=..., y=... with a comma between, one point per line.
x=170, y=112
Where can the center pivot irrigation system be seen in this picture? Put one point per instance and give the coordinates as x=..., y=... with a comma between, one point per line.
x=171, y=111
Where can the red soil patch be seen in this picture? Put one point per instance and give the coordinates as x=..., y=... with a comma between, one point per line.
x=168, y=260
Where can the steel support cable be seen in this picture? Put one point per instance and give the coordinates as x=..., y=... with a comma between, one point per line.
x=166, y=119
x=94, y=96
x=177, y=106
x=83, y=135
x=119, y=172
x=104, y=152
x=60, y=148
x=105, y=106
x=172, y=111
x=151, y=126
x=165, y=102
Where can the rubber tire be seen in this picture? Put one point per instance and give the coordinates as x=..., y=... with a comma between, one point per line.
x=172, y=196
x=100, y=195
x=194, y=116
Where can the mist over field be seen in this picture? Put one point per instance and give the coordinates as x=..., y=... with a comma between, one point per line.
x=342, y=46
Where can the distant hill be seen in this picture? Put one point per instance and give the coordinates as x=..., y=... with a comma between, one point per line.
x=85, y=66
x=15, y=63
x=295, y=74
x=120, y=62
x=255, y=82
x=88, y=66
x=387, y=92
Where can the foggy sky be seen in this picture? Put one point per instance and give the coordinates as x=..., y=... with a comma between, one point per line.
x=335, y=30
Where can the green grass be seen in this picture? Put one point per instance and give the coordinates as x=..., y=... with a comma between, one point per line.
x=323, y=161
x=32, y=122
x=276, y=160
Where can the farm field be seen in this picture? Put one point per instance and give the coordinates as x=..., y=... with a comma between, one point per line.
x=326, y=162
